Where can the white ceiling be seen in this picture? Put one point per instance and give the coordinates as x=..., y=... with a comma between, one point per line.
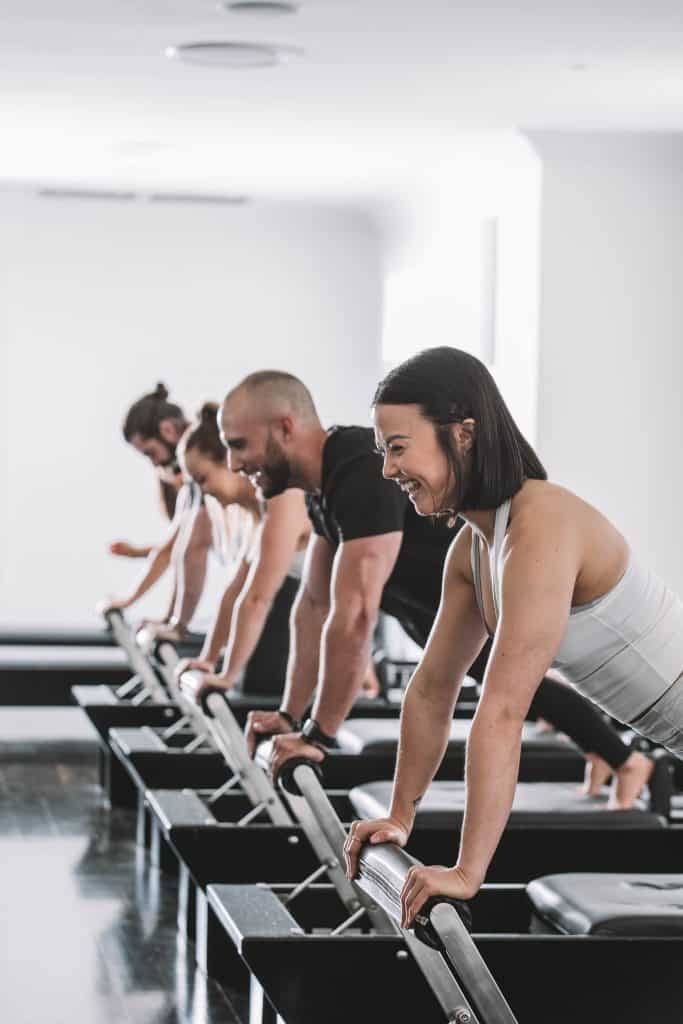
x=87, y=95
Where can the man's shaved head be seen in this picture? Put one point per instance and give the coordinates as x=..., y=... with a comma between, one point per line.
x=274, y=393
x=267, y=422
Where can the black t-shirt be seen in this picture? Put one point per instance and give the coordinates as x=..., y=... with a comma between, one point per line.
x=356, y=501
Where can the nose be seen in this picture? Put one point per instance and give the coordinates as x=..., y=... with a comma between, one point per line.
x=389, y=470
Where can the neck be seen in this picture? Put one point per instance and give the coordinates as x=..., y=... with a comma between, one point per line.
x=308, y=469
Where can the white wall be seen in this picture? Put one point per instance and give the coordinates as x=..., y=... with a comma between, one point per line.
x=99, y=300
x=611, y=336
x=435, y=286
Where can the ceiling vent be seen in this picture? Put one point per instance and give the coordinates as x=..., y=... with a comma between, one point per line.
x=197, y=198
x=233, y=55
x=86, y=193
x=260, y=7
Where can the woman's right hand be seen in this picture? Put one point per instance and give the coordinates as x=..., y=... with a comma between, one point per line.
x=263, y=724
x=380, y=830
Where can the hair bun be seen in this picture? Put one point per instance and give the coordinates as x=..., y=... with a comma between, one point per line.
x=160, y=392
x=208, y=412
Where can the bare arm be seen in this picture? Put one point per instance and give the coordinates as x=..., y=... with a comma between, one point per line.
x=456, y=639
x=308, y=618
x=285, y=522
x=190, y=556
x=538, y=582
x=361, y=569
x=217, y=636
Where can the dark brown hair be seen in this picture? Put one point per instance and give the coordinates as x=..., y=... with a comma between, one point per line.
x=203, y=434
x=451, y=386
x=145, y=415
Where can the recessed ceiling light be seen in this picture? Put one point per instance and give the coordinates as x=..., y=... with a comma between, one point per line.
x=260, y=7
x=233, y=55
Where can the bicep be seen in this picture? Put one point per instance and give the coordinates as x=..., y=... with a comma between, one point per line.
x=537, y=588
x=279, y=538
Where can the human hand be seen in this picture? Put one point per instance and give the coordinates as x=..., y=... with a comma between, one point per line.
x=424, y=882
x=123, y=549
x=289, y=745
x=261, y=725
x=379, y=830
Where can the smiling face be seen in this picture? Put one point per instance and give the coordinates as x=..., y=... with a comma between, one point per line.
x=255, y=448
x=212, y=477
x=415, y=458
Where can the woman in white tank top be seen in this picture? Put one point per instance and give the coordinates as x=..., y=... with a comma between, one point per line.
x=261, y=544
x=540, y=570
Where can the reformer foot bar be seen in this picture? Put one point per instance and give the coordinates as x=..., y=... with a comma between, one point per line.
x=457, y=974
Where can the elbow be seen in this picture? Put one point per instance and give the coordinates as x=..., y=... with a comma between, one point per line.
x=352, y=625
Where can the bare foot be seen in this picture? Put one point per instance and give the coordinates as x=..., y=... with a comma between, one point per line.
x=629, y=781
x=597, y=775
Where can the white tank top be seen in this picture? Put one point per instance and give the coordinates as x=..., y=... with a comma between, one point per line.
x=623, y=650
x=236, y=536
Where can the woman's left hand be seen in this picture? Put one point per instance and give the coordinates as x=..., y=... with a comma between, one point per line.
x=422, y=883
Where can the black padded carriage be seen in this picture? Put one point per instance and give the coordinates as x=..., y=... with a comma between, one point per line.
x=553, y=804
x=588, y=904
x=380, y=737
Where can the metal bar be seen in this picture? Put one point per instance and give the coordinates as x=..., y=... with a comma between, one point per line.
x=140, y=698
x=302, y=886
x=230, y=740
x=345, y=925
x=471, y=989
x=176, y=727
x=194, y=744
x=326, y=834
x=128, y=687
x=445, y=987
x=251, y=815
x=470, y=966
x=138, y=662
x=225, y=788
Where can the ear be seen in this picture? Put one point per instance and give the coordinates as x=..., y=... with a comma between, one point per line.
x=464, y=434
x=169, y=432
x=286, y=424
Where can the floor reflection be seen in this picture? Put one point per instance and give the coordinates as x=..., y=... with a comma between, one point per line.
x=87, y=929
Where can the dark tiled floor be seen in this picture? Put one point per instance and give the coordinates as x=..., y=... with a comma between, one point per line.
x=87, y=930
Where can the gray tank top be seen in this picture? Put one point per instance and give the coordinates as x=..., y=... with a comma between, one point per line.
x=623, y=650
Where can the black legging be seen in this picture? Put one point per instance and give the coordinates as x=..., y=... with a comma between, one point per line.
x=570, y=713
x=265, y=671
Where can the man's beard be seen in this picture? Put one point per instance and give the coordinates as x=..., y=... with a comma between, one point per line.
x=275, y=472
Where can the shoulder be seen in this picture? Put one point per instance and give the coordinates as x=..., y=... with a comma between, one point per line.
x=458, y=566
x=546, y=529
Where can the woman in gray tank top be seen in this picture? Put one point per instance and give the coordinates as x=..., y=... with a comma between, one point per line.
x=537, y=568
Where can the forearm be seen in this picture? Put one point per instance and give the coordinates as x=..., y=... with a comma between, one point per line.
x=135, y=552
x=426, y=719
x=190, y=584
x=306, y=630
x=217, y=637
x=493, y=753
x=346, y=649
x=157, y=564
x=249, y=618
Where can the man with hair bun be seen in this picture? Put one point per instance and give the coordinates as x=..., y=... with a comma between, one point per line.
x=153, y=426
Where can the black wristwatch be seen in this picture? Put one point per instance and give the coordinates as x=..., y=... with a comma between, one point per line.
x=314, y=734
x=291, y=721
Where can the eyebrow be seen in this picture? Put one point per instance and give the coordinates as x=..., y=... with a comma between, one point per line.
x=397, y=437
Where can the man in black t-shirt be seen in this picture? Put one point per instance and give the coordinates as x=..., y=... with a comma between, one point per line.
x=370, y=550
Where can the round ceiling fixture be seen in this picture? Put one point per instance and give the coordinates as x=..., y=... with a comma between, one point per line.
x=260, y=7
x=233, y=55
